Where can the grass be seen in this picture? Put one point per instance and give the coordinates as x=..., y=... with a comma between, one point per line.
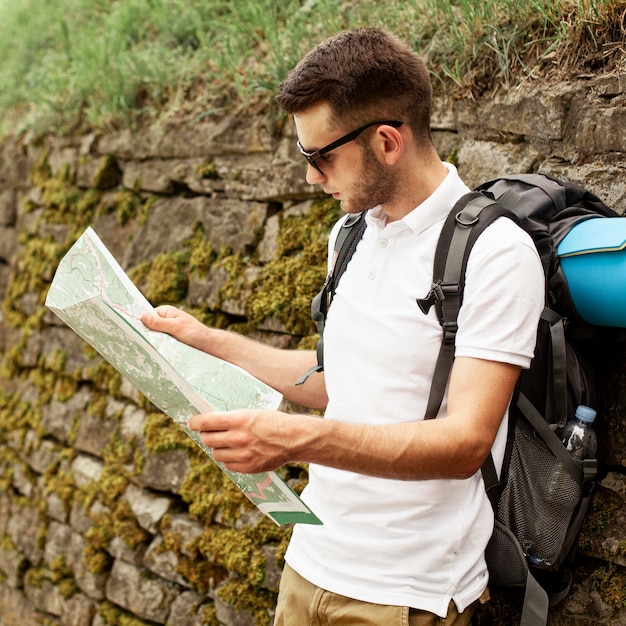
x=81, y=64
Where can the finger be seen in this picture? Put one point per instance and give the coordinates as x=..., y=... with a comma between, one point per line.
x=154, y=319
x=150, y=320
x=209, y=422
x=166, y=310
x=217, y=441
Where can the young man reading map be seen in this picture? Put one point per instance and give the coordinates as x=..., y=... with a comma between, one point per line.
x=405, y=516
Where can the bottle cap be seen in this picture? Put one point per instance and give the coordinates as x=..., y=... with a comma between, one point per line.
x=585, y=414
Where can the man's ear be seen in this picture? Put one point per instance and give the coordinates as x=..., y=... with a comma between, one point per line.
x=388, y=143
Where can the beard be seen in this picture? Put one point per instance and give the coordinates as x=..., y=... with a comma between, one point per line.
x=375, y=184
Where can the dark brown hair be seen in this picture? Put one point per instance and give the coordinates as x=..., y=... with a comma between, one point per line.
x=364, y=74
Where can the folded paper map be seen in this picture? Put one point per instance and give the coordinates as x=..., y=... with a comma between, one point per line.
x=93, y=295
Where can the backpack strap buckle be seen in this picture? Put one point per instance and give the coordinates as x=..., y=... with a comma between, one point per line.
x=437, y=294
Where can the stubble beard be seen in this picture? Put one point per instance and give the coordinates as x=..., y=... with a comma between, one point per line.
x=376, y=185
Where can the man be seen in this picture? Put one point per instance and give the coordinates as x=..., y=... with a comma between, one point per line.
x=406, y=518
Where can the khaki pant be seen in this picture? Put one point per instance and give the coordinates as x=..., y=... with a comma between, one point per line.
x=302, y=604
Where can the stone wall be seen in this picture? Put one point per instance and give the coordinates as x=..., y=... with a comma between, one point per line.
x=108, y=514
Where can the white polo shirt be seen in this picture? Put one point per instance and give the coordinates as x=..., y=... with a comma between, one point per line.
x=411, y=543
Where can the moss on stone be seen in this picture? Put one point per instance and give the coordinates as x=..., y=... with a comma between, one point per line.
x=126, y=205
x=17, y=418
x=61, y=483
x=55, y=360
x=609, y=581
x=245, y=597
x=36, y=577
x=36, y=262
x=114, y=477
x=201, y=253
x=238, y=550
x=108, y=175
x=207, y=169
x=209, y=616
x=44, y=382
x=165, y=279
x=601, y=513
x=65, y=388
x=207, y=490
x=107, y=379
x=163, y=435
x=201, y=574
x=112, y=615
x=41, y=171
x=126, y=527
x=285, y=286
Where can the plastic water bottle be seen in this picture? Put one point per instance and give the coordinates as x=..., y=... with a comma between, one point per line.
x=578, y=436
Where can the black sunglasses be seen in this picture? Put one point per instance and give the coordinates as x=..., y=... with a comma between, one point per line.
x=311, y=157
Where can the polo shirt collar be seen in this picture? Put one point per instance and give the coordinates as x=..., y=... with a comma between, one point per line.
x=432, y=210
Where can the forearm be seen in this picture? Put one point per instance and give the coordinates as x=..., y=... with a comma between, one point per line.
x=278, y=368
x=410, y=451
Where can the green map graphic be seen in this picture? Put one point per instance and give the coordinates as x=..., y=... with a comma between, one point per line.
x=93, y=295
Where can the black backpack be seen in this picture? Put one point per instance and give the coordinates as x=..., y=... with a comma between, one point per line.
x=561, y=377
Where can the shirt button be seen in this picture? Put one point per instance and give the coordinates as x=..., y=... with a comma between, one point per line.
x=372, y=274
x=383, y=243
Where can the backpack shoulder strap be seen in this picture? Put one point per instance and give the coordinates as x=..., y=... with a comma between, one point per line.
x=467, y=220
x=348, y=237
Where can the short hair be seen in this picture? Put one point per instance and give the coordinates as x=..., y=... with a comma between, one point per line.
x=364, y=74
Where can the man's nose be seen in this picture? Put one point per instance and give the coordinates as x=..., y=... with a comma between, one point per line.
x=313, y=175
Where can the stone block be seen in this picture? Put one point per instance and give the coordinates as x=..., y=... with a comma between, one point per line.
x=64, y=158
x=480, y=161
x=55, y=507
x=80, y=520
x=119, y=549
x=165, y=471
x=42, y=454
x=187, y=610
x=24, y=528
x=5, y=511
x=268, y=245
x=90, y=583
x=58, y=542
x=16, y=610
x=163, y=562
x=78, y=610
x=94, y=432
x=140, y=592
x=23, y=481
x=598, y=132
x=604, y=533
x=133, y=424
x=8, y=209
x=186, y=530
x=86, y=469
x=154, y=176
x=229, y=616
x=227, y=222
x=45, y=596
x=204, y=291
x=147, y=508
x=13, y=565
x=273, y=572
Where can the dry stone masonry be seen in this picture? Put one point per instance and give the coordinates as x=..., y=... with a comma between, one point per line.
x=107, y=514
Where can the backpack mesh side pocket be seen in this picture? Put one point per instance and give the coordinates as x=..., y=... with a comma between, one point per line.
x=539, y=499
x=505, y=559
